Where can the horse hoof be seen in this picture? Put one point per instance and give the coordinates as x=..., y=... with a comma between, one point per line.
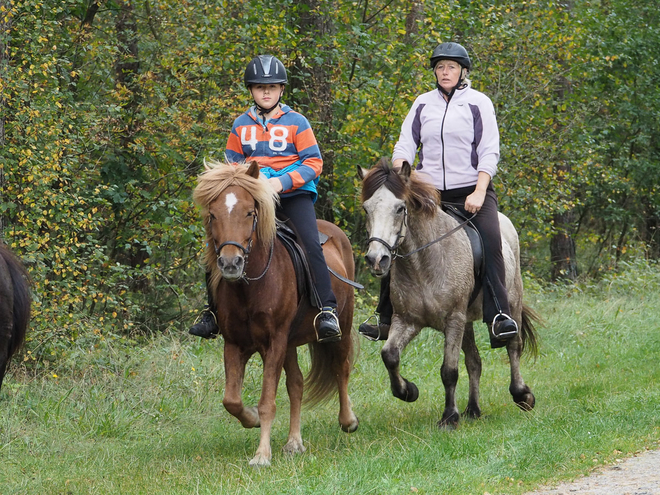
x=260, y=461
x=294, y=447
x=351, y=427
x=409, y=393
x=472, y=412
x=527, y=402
x=449, y=421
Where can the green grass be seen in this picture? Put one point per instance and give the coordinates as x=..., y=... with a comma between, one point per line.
x=115, y=418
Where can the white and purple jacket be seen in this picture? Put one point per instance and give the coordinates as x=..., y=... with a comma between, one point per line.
x=455, y=141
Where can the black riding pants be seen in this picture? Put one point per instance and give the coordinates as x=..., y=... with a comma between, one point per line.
x=299, y=209
x=495, y=298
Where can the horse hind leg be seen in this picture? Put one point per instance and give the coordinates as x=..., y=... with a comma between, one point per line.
x=473, y=365
x=347, y=418
x=521, y=393
x=294, y=386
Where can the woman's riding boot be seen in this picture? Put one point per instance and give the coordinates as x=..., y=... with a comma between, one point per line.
x=206, y=325
x=327, y=326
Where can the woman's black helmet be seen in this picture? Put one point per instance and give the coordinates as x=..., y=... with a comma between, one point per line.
x=451, y=51
x=265, y=69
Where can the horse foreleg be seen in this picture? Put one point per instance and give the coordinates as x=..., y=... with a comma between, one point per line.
x=273, y=363
x=454, y=327
x=521, y=393
x=294, y=386
x=235, y=361
x=473, y=365
x=399, y=337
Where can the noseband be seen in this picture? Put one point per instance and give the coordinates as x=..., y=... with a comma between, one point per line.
x=246, y=251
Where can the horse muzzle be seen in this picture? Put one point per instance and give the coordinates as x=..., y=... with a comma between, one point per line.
x=379, y=265
x=231, y=267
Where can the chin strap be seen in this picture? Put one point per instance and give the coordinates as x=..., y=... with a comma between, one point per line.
x=460, y=85
x=265, y=111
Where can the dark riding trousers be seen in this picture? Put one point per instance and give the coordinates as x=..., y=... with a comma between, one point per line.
x=299, y=209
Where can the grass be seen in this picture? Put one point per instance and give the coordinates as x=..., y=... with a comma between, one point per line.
x=118, y=418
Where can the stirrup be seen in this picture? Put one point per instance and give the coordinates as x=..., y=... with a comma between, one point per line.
x=367, y=322
x=336, y=337
x=505, y=335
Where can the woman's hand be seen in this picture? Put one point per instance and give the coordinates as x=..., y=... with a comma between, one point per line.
x=475, y=201
x=275, y=184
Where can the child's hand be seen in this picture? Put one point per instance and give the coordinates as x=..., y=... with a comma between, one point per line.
x=275, y=184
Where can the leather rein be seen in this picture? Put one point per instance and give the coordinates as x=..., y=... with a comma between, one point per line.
x=400, y=237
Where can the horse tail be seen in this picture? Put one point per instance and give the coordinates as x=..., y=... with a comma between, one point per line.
x=21, y=286
x=529, y=334
x=321, y=381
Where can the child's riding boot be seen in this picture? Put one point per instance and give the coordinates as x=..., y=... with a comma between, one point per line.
x=378, y=331
x=326, y=325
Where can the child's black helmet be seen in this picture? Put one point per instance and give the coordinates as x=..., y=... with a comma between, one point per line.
x=265, y=69
x=451, y=51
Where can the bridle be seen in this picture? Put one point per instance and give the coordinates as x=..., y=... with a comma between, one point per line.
x=246, y=251
x=400, y=237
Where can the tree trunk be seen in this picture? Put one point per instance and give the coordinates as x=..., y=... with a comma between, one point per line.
x=562, y=248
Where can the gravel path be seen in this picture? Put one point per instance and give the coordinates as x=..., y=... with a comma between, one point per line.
x=639, y=475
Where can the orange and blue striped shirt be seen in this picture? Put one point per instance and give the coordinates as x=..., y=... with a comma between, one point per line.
x=284, y=146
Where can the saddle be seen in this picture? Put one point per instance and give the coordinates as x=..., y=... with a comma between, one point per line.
x=306, y=287
x=305, y=282
x=479, y=260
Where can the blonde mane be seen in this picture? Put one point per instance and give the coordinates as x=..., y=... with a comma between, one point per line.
x=216, y=178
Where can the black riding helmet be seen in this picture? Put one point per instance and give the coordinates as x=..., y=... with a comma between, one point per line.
x=265, y=69
x=451, y=51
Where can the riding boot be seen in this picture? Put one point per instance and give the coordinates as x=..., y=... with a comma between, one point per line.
x=326, y=325
x=206, y=324
x=503, y=329
x=384, y=310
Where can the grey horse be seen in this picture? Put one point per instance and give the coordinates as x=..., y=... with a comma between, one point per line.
x=432, y=284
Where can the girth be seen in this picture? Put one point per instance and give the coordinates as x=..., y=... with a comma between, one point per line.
x=479, y=260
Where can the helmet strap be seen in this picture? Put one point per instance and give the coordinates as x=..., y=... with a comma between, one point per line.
x=459, y=85
x=265, y=111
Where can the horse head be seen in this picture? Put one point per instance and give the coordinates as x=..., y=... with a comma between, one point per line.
x=388, y=196
x=239, y=214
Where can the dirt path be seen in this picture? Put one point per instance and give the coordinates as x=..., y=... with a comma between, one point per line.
x=639, y=475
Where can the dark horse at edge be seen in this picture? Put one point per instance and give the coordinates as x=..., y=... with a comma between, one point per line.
x=14, y=306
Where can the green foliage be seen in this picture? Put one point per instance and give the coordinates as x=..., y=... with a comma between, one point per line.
x=110, y=106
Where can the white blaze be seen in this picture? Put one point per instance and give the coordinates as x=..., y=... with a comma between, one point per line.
x=230, y=202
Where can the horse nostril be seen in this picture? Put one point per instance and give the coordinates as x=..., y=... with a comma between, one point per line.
x=369, y=259
x=385, y=262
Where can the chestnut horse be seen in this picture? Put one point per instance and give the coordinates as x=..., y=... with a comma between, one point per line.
x=432, y=282
x=259, y=308
x=14, y=306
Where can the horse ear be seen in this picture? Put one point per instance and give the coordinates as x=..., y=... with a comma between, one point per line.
x=362, y=172
x=253, y=169
x=405, y=170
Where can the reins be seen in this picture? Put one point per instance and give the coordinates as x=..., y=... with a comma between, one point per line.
x=400, y=237
x=443, y=236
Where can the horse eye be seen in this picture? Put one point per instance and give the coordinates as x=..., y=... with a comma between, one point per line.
x=211, y=216
x=400, y=210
